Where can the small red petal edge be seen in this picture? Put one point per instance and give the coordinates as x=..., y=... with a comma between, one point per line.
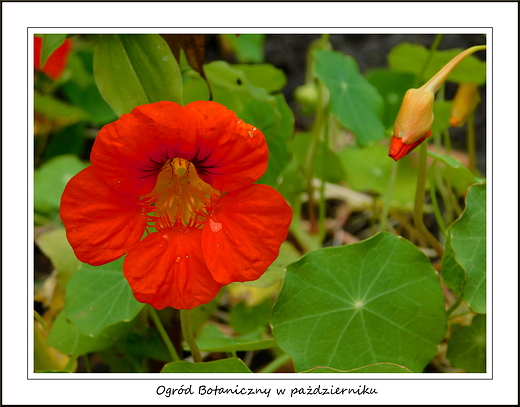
x=398, y=149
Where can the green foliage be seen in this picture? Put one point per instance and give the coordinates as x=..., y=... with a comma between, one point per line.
x=55, y=246
x=326, y=164
x=133, y=70
x=98, y=297
x=244, y=319
x=391, y=86
x=467, y=346
x=67, y=337
x=368, y=169
x=374, y=368
x=371, y=302
x=412, y=57
x=231, y=365
x=50, y=43
x=467, y=238
x=353, y=100
x=248, y=48
x=50, y=180
x=212, y=339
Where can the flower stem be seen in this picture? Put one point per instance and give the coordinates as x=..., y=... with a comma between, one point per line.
x=188, y=336
x=471, y=144
x=388, y=197
x=274, y=365
x=39, y=318
x=454, y=306
x=419, y=201
x=88, y=369
x=164, y=335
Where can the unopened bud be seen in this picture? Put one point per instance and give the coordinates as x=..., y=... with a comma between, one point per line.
x=464, y=104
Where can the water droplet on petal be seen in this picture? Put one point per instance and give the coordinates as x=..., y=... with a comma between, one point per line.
x=250, y=133
x=254, y=128
x=239, y=121
x=186, y=256
x=215, y=226
x=178, y=259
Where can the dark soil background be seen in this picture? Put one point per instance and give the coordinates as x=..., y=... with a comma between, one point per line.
x=288, y=52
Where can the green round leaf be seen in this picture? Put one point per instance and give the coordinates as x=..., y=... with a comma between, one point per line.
x=66, y=337
x=50, y=180
x=231, y=365
x=133, y=70
x=374, y=368
x=467, y=346
x=377, y=301
x=100, y=296
x=392, y=86
x=368, y=169
x=353, y=100
x=468, y=240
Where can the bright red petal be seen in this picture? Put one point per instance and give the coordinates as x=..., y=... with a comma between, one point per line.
x=244, y=234
x=101, y=223
x=231, y=154
x=166, y=269
x=129, y=152
x=398, y=149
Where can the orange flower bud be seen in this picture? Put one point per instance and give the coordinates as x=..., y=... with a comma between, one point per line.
x=415, y=118
x=464, y=104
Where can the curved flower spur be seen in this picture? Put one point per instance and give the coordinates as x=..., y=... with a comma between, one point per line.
x=182, y=177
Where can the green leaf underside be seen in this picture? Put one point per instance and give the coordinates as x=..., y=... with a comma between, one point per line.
x=392, y=86
x=467, y=346
x=133, y=70
x=212, y=339
x=50, y=43
x=453, y=274
x=265, y=76
x=66, y=336
x=353, y=100
x=374, y=368
x=411, y=58
x=100, y=296
x=468, y=240
x=368, y=169
x=50, y=180
x=231, y=365
x=375, y=301
x=459, y=175
x=232, y=88
x=326, y=165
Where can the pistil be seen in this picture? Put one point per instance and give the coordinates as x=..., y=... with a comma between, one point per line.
x=180, y=197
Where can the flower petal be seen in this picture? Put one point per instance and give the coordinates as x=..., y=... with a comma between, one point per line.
x=398, y=149
x=129, y=152
x=244, y=233
x=166, y=269
x=231, y=153
x=101, y=223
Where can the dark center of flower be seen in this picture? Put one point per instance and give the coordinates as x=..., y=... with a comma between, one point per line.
x=180, y=197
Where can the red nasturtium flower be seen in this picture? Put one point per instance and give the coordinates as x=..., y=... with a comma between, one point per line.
x=188, y=173
x=56, y=63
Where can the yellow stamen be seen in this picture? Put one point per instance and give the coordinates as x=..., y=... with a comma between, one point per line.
x=180, y=197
